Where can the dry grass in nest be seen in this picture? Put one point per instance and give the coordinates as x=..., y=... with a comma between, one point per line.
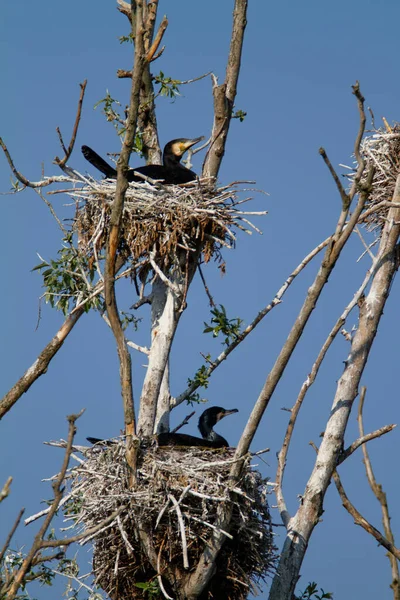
x=381, y=150
x=160, y=219
x=196, y=479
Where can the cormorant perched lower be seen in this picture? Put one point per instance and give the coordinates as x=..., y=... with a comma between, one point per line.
x=210, y=438
x=170, y=172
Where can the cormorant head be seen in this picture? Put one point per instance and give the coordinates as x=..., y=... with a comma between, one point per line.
x=175, y=149
x=211, y=416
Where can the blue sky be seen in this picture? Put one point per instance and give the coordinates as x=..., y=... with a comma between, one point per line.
x=299, y=62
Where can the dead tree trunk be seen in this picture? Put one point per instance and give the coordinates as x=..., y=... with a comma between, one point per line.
x=301, y=526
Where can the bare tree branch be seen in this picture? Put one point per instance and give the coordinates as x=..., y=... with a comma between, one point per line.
x=38, y=542
x=344, y=196
x=362, y=440
x=5, y=489
x=206, y=289
x=382, y=499
x=113, y=241
x=40, y=366
x=184, y=422
x=225, y=94
x=61, y=163
x=68, y=151
x=10, y=535
x=157, y=40
x=20, y=177
x=360, y=520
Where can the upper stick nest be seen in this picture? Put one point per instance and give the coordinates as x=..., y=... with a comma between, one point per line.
x=198, y=480
x=160, y=219
x=381, y=149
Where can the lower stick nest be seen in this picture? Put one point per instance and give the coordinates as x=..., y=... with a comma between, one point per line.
x=164, y=523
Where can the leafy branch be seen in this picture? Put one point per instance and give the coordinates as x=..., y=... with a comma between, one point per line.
x=239, y=114
x=230, y=328
x=68, y=280
x=110, y=110
x=168, y=86
x=311, y=593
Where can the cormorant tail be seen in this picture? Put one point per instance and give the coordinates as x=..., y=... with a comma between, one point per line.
x=98, y=162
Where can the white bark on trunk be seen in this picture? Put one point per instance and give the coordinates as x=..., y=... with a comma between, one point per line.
x=165, y=317
x=163, y=404
x=166, y=310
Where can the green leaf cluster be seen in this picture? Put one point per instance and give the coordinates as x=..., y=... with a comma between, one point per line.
x=311, y=593
x=200, y=379
x=239, y=114
x=168, y=86
x=126, y=38
x=112, y=113
x=128, y=318
x=230, y=328
x=40, y=573
x=151, y=589
x=65, y=279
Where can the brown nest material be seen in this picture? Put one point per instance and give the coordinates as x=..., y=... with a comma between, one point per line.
x=195, y=479
x=159, y=219
x=381, y=150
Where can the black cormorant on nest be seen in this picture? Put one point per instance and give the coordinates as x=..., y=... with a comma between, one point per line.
x=210, y=439
x=170, y=172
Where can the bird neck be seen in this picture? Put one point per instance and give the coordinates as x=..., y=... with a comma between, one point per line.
x=172, y=161
x=213, y=436
x=209, y=434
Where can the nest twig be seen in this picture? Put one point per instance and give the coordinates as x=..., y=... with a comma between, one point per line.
x=380, y=149
x=179, y=496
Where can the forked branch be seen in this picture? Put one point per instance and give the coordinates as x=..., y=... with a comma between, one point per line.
x=225, y=94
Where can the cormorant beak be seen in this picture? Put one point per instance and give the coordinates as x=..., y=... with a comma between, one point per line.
x=227, y=412
x=189, y=143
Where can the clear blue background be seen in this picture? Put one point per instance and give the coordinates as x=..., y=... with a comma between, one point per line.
x=299, y=62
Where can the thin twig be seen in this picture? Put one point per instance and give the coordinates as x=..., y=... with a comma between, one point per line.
x=344, y=196
x=262, y=313
x=68, y=151
x=10, y=535
x=210, y=298
x=157, y=40
x=5, y=489
x=363, y=440
x=184, y=422
x=360, y=520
